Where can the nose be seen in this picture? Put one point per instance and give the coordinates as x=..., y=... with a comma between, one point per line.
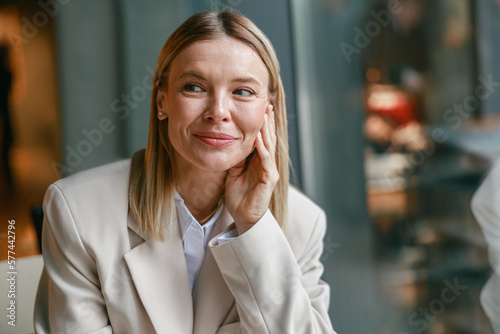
x=218, y=109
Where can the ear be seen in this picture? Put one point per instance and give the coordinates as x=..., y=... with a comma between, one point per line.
x=161, y=101
x=269, y=107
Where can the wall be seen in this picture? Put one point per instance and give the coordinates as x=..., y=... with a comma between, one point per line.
x=106, y=54
x=329, y=91
x=488, y=30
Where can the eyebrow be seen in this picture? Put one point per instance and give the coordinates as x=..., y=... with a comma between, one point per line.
x=192, y=74
x=200, y=76
x=247, y=80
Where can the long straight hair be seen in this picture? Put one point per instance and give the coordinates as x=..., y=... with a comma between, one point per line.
x=152, y=184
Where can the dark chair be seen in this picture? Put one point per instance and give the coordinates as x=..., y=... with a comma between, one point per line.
x=37, y=216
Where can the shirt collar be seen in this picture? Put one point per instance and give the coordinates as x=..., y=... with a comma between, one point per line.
x=186, y=219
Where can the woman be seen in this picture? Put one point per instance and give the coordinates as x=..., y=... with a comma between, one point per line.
x=194, y=234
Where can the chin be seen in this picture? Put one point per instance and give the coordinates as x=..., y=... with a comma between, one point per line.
x=214, y=161
x=219, y=166
x=220, y=163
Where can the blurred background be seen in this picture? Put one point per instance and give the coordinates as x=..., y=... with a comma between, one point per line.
x=393, y=111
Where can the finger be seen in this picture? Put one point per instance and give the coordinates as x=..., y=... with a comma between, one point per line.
x=269, y=171
x=268, y=125
x=270, y=132
x=236, y=169
x=261, y=147
x=267, y=160
x=272, y=124
x=264, y=131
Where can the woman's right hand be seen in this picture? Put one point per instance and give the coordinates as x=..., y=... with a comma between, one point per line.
x=249, y=186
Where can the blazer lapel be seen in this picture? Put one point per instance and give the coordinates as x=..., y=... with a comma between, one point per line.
x=211, y=296
x=159, y=272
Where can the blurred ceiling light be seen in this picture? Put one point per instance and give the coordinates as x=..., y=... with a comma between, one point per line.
x=384, y=100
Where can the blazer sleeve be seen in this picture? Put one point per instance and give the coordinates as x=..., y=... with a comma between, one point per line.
x=274, y=291
x=69, y=297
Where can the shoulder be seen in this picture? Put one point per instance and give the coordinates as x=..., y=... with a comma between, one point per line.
x=91, y=191
x=301, y=205
x=111, y=174
x=92, y=202
x=89, y=211
x=306, y=221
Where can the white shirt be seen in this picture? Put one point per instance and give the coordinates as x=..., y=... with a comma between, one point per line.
x=195, y=237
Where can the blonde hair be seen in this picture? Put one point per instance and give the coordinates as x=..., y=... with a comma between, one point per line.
x=152, y=184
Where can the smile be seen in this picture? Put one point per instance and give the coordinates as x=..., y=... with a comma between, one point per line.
x=215, y=139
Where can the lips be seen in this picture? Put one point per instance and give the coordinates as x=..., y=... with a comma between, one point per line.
x=217, y=139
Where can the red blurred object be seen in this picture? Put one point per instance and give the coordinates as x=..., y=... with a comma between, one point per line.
x=391, y=103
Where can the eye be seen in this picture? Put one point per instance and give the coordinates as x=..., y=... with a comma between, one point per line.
x=192, y=88
x=243, y=92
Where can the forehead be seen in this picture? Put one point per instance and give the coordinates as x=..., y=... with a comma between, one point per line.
x=225, y=58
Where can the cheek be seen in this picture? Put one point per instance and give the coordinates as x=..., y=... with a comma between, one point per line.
x=251, y=122
x=181, y=116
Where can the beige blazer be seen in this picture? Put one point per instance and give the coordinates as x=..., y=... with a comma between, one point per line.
x=102, y=275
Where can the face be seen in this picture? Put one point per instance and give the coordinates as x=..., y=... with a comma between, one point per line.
x=215, y=101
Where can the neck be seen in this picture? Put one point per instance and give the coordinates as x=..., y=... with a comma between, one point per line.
x=200, y=189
